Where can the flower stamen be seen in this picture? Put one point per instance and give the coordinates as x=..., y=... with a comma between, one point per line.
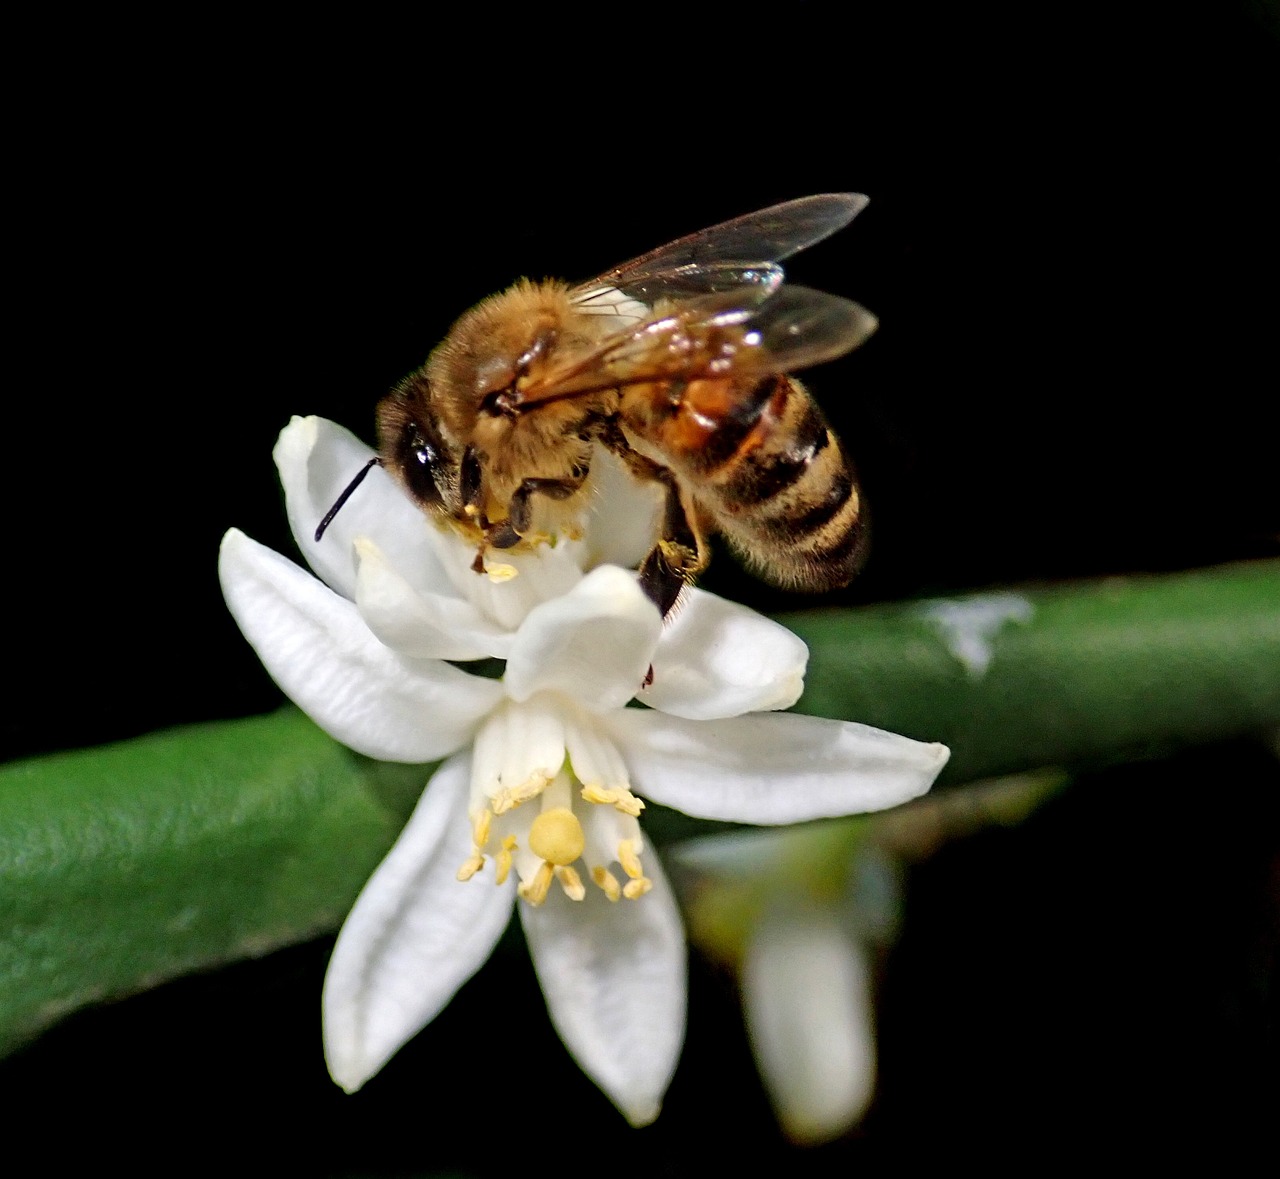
x=471, y=867
x=629, y=858
x=571, y=882
x=535, y=891
x=608, y=883
x=504, y=859
x=616, y=796
x=511, y=797
x=634, y=889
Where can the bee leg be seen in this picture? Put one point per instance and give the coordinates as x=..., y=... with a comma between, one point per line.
x=679, y=555
x=520, y=511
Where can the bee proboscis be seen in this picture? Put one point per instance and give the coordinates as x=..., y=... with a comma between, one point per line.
x=678, y=362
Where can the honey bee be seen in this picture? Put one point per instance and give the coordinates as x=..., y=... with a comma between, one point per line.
x=678, y=362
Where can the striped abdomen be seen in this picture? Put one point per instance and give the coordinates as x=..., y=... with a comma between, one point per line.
x=762, y=463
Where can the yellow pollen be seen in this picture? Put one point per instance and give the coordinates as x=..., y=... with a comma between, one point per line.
x=607, y=882
x=480, y=828
x=498, y=573
x=535, y=892
x=637, y=888
x=571, y=882
x=615, y=796
x=556, y=836
x=509, y=799
x=471, y=867
x=504, y=860
x=629, y=860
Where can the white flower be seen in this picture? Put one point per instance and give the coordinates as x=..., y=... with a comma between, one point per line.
x=796, y=914
x=538, y=782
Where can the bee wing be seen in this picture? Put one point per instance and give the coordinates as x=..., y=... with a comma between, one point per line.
x=740, y=254
x=714, y=336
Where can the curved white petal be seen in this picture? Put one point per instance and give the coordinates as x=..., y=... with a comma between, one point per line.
x=624, y=515
x=614, y=978
x=321, y=653
x=593, y=643
x=317, y=459
x=771, y=768
x=719, y=659
x=415, y=935
x=807, y=995
x=421, y=624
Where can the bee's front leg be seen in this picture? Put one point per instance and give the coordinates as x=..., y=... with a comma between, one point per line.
x=520, y=510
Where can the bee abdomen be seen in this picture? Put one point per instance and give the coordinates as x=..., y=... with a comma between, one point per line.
x=790, y=502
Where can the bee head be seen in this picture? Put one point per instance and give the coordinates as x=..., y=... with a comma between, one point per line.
x=415, y=448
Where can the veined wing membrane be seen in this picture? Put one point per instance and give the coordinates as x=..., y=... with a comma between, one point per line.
x=711, y=337
x=741, y=253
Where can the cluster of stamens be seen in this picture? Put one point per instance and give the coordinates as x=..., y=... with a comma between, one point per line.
x=544, y=847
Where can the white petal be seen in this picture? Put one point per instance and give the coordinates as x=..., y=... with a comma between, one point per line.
x=593, y=643
x=771, y=768
x=614, y=979
x=624, y=514
x=421, y=624
x=320, y=652
x=517, y=744
x=317, y=460
x=807, y=995
x=719, y=659
x=415, y=935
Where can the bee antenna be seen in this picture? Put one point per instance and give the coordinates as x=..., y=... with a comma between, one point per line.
x=346, y=495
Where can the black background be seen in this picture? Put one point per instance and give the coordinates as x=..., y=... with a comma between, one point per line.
x=1072, y=248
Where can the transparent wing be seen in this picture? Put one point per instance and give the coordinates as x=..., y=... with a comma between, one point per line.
x=741, y=254
x=713, y=336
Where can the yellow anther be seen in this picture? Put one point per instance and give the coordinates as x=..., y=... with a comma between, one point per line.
x=607, y=882
x=556, y=836
x=514, y=796
x=498, y=573
x=629, y=860
x=571, y=882
x=480, y=827
x=504, y=860
x=637, y=888
x=616, y=796
x=535, y=891
x=471, y=867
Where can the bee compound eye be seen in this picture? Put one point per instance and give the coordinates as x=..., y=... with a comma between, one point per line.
x=420, y=464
